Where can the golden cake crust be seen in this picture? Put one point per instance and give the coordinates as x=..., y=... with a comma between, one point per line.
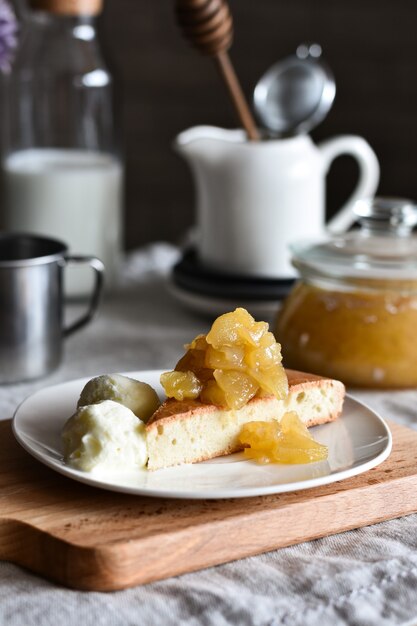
x=182, y=409
x=174, y=417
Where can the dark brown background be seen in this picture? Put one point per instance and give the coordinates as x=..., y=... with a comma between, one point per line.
x=370, y=44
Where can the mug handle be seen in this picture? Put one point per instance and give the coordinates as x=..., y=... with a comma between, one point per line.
x=368, y=181
x=98, y=268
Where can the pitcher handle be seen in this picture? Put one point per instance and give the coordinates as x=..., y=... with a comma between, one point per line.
x=368, y=181
x=95, y=298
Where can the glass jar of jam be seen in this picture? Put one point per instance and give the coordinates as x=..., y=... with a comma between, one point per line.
x=353, y=314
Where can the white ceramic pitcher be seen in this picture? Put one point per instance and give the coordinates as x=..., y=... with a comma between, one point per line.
x=254, y=198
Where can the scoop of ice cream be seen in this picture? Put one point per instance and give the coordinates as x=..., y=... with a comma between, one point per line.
x=137, y=396
x=104, y=436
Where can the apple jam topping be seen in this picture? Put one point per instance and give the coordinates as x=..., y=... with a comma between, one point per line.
x=287, y=441
x=181, y=385
x=237, y=360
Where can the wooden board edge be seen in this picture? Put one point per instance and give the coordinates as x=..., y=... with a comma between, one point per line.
x=126, y=564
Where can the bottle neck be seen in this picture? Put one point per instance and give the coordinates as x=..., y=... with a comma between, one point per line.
x=82, y=27
x=61, y=91
x=58, y=44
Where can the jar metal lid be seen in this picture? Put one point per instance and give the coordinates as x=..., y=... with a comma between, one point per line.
x=384, y=247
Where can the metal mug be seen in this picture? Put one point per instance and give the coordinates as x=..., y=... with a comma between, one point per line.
x=31, y=304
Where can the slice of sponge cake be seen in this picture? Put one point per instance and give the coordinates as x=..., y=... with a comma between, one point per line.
x=189, y=431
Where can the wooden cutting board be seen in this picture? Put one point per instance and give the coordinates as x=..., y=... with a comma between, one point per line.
x=91, y=539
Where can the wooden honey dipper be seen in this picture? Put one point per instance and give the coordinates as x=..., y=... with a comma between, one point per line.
x=208, y=25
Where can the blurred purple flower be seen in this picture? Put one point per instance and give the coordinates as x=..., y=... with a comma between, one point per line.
x=8, y=35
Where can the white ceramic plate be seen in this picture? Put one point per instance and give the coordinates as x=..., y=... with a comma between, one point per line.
x=357, y=441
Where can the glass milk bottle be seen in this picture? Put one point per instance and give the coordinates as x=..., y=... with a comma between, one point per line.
x=61, y=173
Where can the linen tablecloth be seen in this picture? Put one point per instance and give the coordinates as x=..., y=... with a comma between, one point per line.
x=364, y=577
